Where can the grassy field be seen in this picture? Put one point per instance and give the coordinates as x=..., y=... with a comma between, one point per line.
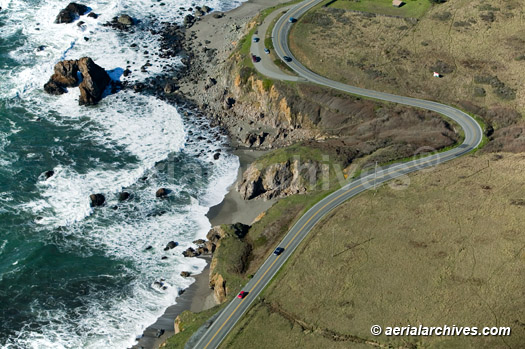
x=442, y=247
x=411, y=8
x=476, y=46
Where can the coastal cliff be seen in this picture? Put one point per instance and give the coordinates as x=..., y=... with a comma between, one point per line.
x=229, y=260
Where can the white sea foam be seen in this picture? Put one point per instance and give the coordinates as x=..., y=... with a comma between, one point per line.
x=127, y=125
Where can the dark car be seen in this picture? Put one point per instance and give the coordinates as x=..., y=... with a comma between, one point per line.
x=255, y=39
x=255, y=59
x=242, y=294
x=292, y=20
x=287, y=59
x=278, y=251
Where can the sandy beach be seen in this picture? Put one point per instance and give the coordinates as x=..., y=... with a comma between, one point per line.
x=233, y=208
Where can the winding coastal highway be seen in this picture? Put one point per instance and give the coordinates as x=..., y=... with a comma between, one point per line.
x=473, y=137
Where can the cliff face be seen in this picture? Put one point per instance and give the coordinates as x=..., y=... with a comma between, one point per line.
x=229, y=259
x=278, y=180
x=258, y=113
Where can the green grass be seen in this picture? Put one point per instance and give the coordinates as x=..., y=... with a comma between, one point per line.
x=267, y=84
x=412, y=8
x=276, y=211
x=268, y=43
x=288, y=153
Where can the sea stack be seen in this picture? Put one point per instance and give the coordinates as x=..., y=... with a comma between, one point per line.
x=95, y=79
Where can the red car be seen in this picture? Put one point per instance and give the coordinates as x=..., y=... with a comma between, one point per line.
x=242, y=294
x=254, y=58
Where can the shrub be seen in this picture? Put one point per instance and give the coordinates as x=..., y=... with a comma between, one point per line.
x=267, y=84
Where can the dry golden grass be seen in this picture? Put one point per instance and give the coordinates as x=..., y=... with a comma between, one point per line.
x=448, y=249
x=461, y=39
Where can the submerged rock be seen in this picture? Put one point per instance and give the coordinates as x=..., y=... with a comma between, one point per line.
x=123, y=196
x=185, y=274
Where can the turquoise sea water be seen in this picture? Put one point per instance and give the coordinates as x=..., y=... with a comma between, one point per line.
x=72, y=276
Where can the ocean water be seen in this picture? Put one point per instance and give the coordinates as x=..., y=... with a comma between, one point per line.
x=72, y=276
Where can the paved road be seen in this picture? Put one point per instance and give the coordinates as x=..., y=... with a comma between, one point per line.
x=473, y=136
x=266, y=66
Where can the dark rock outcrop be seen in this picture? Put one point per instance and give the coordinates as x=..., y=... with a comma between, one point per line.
x=190, y=252
x=210, y=83
x=125, y=20
x=228, y=103
x=185, y=274
x=199, y=242
x=65, y=75
x=71, y=13
x=170, y=88
x=162, y=193
x=171, y=245
x=54, y=88
x=95, y=80
x=48, y=174
x=97, y=200
x=189, y=20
